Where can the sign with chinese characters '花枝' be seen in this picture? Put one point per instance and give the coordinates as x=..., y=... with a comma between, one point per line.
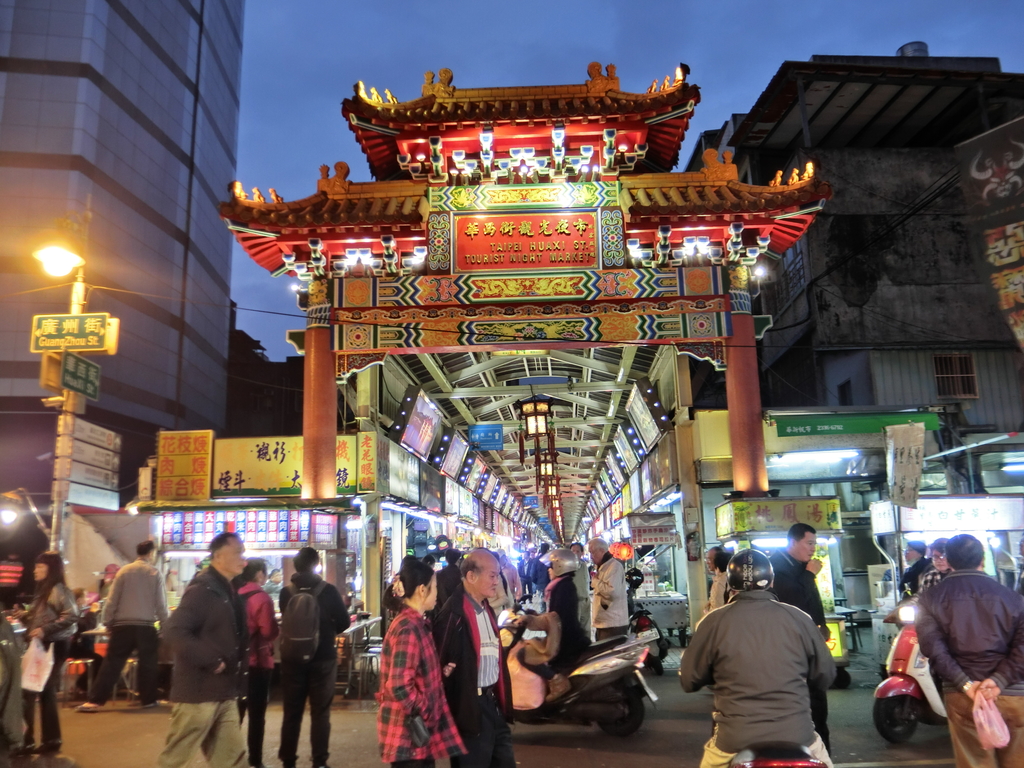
x=505, y=241
x=183, y=465
x=776, y=514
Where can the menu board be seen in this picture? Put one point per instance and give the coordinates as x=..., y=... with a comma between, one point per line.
x=455, y=456
x=635, y=492
x=476, y=472
x=467, y=512
x=489, y=487
x=642, y=418
x=404, y=472
x=431, y=489
x=615, y=470
x=451, y=497
x=257, y=528
x=623, y=449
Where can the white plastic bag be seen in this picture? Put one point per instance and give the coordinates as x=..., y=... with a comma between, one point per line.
x=992, y=730
x=36, y=665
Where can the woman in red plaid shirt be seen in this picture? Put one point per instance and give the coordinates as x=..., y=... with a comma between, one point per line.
x=411, y=676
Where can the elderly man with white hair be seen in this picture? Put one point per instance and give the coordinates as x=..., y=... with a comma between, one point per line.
x=610, y=615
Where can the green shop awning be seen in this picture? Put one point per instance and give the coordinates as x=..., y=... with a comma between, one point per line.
x=804, y=424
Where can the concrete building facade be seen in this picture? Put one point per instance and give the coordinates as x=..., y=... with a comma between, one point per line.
x=127, y=109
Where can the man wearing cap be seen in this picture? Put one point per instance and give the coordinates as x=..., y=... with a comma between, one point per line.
x=917, y=566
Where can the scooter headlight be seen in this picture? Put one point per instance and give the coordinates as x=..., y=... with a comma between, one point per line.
x=908, y=613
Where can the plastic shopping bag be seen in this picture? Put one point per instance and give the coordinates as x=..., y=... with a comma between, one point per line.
x=36, y=665
x=992, y=730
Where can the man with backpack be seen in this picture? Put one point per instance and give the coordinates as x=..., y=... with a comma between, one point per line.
x=312, y=616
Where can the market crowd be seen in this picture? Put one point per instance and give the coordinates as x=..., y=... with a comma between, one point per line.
x=449, y=689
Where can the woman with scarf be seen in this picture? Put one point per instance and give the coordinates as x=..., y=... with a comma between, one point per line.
x=52, y=619
x=414, y=724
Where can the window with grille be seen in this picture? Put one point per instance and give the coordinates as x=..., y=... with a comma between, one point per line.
x=954, y=376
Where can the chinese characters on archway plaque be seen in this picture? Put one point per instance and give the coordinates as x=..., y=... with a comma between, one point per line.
x=526, y=241
x=904, y=453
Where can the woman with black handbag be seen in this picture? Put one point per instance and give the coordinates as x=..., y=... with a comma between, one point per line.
x=414, y=725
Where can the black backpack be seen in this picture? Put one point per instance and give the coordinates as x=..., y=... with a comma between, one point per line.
x=300, y=624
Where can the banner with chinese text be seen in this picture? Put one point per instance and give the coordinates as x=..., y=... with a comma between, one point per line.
x=183, y=465
x=653, y=529
x=904, y=454
x=504, y=241
x=992, y=179
x=272, y=466
x=776, y=515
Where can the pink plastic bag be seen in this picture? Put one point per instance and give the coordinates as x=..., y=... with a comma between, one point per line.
x=992, y=730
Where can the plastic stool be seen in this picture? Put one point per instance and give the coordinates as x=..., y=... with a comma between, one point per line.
x=69, y=674
x=128, y=679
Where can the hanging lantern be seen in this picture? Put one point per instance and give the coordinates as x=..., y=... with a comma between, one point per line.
x=621, y=550
x=534, y=413
x=546, y=465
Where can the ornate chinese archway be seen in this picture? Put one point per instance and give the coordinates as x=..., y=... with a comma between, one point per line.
x=541, y=217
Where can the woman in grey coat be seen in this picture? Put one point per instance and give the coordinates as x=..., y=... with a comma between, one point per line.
x=53, y=619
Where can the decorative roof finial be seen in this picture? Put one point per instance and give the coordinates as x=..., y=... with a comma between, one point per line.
x=599, y=83
x=237, y=190
x=257, y=196
x=275, y=197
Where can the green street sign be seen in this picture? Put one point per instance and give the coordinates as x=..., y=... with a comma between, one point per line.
x=71, y=333
x=80, y=375
x=801, y=425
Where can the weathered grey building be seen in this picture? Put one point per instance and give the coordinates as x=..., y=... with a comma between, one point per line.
x=880, y=304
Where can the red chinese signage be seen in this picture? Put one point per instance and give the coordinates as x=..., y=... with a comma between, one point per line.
x=503, y=241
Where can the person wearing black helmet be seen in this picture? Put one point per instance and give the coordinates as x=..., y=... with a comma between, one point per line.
x=755, y=701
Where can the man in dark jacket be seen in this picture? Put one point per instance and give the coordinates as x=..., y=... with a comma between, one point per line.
x=760, y=655
x=795, y=569
x=314, y=679
x=917, y=566
x=209, y=637
x=477, y=685
x=449, y=577
x=971, y=628
x=539, y=573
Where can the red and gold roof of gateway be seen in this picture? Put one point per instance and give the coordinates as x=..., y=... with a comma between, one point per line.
x=589, y=144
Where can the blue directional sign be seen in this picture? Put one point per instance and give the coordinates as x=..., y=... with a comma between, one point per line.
x=487, y=437
x=531, y=501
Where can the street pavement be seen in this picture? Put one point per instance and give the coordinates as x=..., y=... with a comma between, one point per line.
x=673, y=735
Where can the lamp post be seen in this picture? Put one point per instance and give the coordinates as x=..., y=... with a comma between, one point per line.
x=9, y=513
x=59, y=256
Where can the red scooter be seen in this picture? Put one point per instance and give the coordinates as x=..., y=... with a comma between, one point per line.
x=775, y=755
x=909, y=695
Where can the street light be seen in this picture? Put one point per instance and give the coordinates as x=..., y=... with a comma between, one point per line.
x=60, y=253
x=10, y=512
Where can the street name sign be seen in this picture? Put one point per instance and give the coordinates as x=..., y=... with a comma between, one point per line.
x=88, y=454
x=87, y=496
x=86, y=474
x=93, y=332
x=80, y=429
x=486, y=437
x=80, y=375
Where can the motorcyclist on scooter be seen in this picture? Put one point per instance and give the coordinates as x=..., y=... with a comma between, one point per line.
x=760, y=655
x=561, y=598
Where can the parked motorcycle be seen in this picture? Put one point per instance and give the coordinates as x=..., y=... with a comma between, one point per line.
x=642, y=625
x=775, y=754
x=607, y=688
x=909, y=695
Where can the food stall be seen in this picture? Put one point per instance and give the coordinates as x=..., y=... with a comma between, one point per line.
x=669, y=607
x=995, y=520
x=762, y=523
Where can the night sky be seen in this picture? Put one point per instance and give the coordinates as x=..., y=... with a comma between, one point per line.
x=302, y=58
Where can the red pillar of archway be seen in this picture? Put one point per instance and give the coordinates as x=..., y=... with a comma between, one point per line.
x=743, y=392
x=319, y=417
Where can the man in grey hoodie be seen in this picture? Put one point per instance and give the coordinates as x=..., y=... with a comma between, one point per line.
x=137, y=601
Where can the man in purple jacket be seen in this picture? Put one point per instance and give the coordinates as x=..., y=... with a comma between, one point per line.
x=971, y=628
